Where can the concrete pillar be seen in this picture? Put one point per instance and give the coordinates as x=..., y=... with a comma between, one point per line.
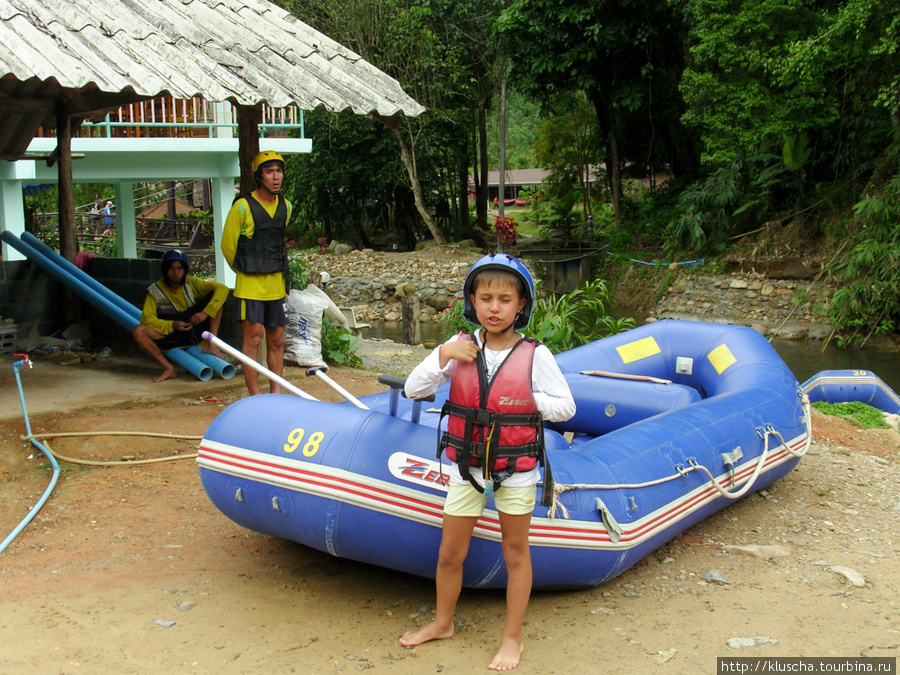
x=12, y=213
x=223, y=196
x=125, y=225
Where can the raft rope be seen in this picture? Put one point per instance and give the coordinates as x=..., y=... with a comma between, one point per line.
x=693, y=465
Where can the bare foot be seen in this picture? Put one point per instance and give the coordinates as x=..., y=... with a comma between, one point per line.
x=169, y=374
x=426, y=633
x=508, y=655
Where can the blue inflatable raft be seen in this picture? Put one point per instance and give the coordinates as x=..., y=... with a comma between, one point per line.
x=675, y=421
x=847, y=386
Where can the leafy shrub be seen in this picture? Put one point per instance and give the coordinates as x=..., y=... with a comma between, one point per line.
x=562, y=322
x=576, y=318
x=506, y=229
x=869, y=300
x=452, y=320
x=105, y=247
x=339, y=345
x=858, y=414
x=299, y=270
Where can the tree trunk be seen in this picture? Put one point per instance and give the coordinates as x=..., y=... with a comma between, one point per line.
x=408, y=157
x=171, y=211
x=482, y=192
x=606, y=116
x=249, y=119
x=462, y=197
x=412, y=333
x=68, y=234
x=501, y=185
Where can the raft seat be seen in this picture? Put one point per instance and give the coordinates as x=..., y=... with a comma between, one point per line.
x=396, y=384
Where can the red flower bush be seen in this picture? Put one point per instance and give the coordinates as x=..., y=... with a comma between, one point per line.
x=506, y=229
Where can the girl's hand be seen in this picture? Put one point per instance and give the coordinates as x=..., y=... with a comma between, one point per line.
x=461, y=350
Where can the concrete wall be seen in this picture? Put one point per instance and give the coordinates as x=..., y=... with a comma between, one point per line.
x=27, y=294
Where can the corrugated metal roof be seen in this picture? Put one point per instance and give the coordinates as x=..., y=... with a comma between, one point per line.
x=244, y=51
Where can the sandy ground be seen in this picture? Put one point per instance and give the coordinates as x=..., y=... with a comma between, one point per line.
x=130, y=569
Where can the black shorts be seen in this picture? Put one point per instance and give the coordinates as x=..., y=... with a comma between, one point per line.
x=270, y=313
x=183, y=338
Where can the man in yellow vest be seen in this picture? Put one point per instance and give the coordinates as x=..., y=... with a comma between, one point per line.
x=253, y=245
x=177, y=309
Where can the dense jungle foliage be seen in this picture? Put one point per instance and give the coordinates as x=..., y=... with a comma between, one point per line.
x=713, y=128
x=710, y=120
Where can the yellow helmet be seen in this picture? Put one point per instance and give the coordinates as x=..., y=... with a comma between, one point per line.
x=266, y=156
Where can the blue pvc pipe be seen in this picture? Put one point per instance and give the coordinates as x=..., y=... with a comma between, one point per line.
x=75, y=271
x=77, y=284
x=220, y=367
x=53, y=480
x=120, y=311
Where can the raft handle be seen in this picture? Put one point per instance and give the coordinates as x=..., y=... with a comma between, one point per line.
x=729, y=459
x=397, y=383
x=613, y=529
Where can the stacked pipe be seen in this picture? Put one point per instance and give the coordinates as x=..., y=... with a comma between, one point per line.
x=114, y=306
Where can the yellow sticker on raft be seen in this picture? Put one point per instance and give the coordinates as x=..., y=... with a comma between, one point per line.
x=639, y=349
x=721, y=357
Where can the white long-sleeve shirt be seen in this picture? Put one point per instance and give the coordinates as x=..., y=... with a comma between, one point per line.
x=551, y=393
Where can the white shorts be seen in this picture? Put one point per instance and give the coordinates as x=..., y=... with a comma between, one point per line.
x=464, y=500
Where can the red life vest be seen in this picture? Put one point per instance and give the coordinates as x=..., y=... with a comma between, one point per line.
x=494, y=426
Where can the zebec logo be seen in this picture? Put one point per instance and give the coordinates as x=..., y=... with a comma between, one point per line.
x=420, y=471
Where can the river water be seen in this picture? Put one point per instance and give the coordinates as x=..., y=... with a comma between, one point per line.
x=804, y=358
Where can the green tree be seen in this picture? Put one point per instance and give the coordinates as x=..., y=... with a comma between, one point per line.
x=566, y=144
x=441, y=53
x=351, y=185
x=624, y=56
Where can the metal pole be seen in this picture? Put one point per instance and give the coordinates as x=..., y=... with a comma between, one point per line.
x=247, y=361
x=319, y=372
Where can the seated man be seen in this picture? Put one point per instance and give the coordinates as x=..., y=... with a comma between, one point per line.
x=177, y=309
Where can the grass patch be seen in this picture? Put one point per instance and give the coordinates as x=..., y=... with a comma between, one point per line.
x=858, y=414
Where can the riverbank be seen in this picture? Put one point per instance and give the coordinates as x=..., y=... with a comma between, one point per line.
x=130, y=569
x=373, y=283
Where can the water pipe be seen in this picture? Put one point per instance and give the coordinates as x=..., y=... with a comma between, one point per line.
x=259, y=368
x=86, y=287
x=49, y=254
x=37, y=507
x=220, y=367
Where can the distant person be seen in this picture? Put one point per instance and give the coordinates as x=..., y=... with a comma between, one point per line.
x=495, y=374
x=108, y=215
x=177, y=309
x=96, y=212
x=253, y=245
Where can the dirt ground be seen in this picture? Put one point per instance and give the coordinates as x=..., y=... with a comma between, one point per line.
x=130, y=569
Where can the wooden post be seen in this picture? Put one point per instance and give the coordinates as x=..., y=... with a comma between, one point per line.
x=412, y=333
x=249, y=119
x=68, y=232
x=68, y=235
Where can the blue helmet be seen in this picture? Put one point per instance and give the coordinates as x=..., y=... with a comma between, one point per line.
x=507, y=263
x=171, y=256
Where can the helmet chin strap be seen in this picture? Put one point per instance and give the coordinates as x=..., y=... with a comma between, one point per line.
x=512, y=324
